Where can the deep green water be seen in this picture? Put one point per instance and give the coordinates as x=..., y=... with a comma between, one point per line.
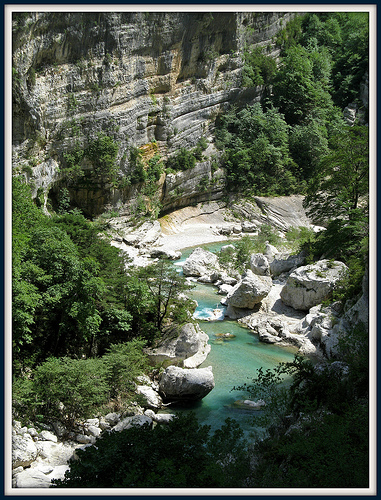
x=234, y=361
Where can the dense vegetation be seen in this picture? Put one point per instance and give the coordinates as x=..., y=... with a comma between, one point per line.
x=73, y=302
x=181, y=454
x=276, y=146
x=80, y=320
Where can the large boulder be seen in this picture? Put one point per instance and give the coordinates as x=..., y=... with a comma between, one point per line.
x=249, y=291
x=187, y=343
x=200, y=263
x=309, y=285
x=183, y=384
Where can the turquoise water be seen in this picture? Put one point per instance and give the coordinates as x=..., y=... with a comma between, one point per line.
x=235, y=361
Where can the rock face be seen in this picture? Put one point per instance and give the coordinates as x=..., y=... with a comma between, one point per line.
x=179, y=384
x=249, y=291
x=308, y=286
x=201, y=263
x=193, y=186
x=152, y=80
x=189, y=345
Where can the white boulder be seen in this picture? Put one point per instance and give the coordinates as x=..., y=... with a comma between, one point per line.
x=259, y=264
x=135, y=421
x=282, y=264
x=181, y=344
x=309, y=285
x=182, y=384
x=152, y=398
x=200, y=263
x=24, y=450
x=249, y=291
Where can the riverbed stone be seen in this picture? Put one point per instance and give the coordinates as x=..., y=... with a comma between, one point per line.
x=47, y=436
x=200, y=263
x=249, y=291
x=152, y=398
x=259, y=264
x=134, y=421
x=181, y=344
x=179, y=384
x=24, y=450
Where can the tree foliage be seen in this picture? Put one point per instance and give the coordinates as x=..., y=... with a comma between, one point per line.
x=257, y=152
x=68, y=389
x=181, y=454
x=341, y=185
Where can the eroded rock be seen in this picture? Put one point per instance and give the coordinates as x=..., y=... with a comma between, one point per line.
x=249, y=291
x=179, y=384
x=309, y=285
x=200, y=263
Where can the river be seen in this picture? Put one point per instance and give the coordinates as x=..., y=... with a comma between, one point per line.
x=235, y=361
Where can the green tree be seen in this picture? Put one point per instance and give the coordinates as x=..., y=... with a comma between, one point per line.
x=181, y=160
x=68, y=389
x=123, y=364
x=352, y=60
x=298, y=90
x=66, y=314
x=102, y=153
x=340, y=186
x=259, y=68
x=257, y=153
x=165, y=285
x=308, y=144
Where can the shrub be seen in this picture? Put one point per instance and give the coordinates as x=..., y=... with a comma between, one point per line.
x=182, y=160
x=102, y=152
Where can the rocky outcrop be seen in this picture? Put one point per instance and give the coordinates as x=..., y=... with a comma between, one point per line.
x=187, y=344
x=201, y=263
x=143, y=78
x=281, y=212
x=181, y=384
x=195, y=185
x=140, y=236
x=309, y=285
x=285, y=263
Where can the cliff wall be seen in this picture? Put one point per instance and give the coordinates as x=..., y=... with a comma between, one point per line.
x=140, y=77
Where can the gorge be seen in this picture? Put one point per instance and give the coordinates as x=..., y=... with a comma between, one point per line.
x=139, y=137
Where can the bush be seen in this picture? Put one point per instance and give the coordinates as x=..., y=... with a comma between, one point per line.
x=69, y=389
x=102, y=152
x=63, y=389
x=182, y=160
x=123, y=363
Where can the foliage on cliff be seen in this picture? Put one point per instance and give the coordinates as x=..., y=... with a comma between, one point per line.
x=277, y=147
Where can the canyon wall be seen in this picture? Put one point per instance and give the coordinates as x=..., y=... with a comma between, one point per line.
x=152, y=80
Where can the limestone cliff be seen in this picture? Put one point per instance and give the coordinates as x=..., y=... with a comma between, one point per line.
x=142, y=78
